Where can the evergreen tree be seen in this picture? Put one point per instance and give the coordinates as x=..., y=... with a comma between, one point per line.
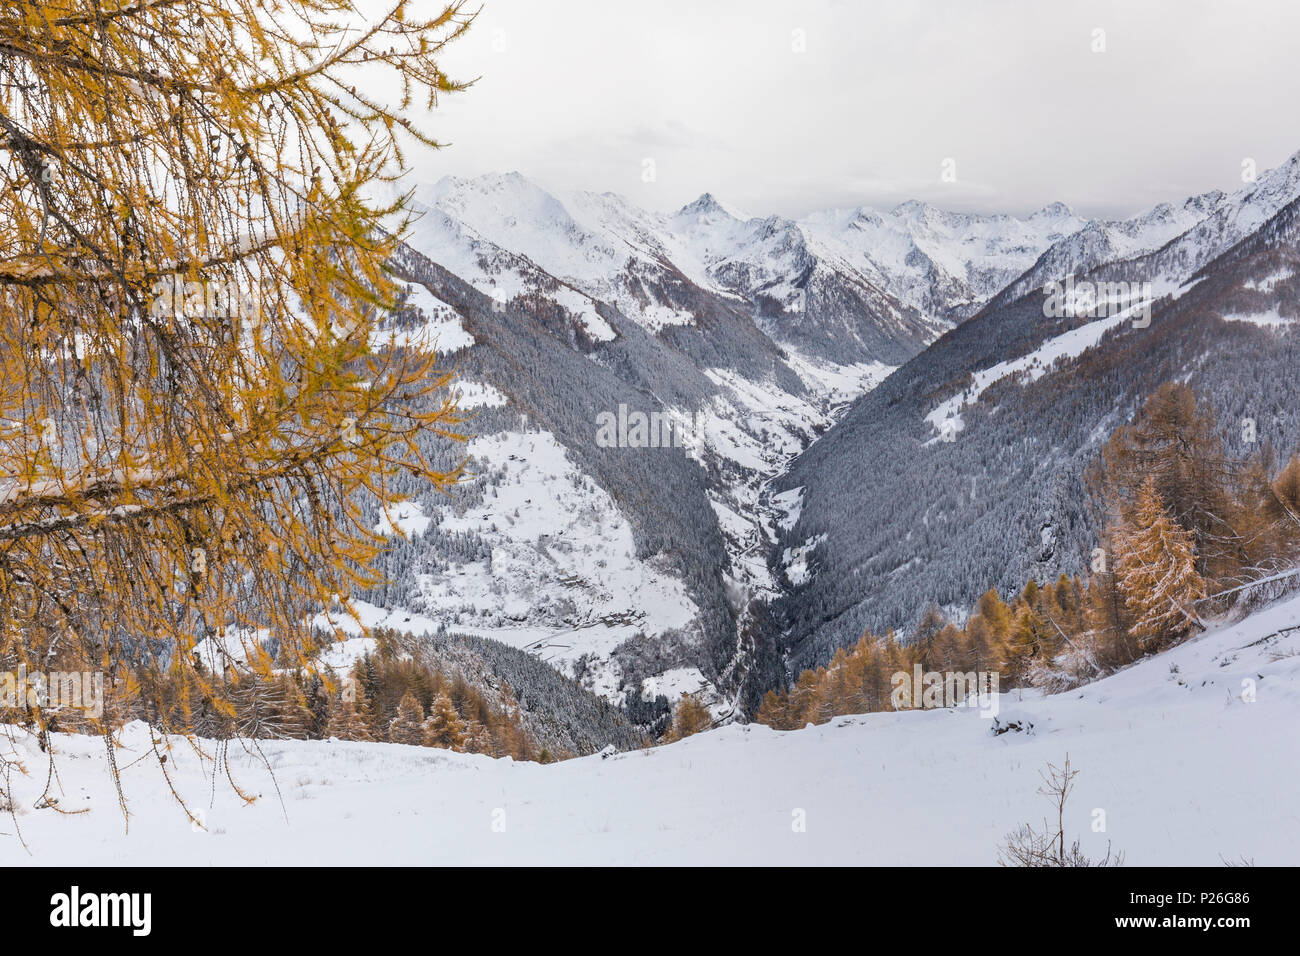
x=803, y=699
x=948, y=651
x=405, y=727
x=444, y=728
x=926, y=636
x=775, y=710
x=997, y=619
x=185, y=194
x=979, y=646
x=1157, y=571
x=690, y=717
x=1287, y=488
x=1109, y=619
x=1174, y=444
x=876, y=675
x=347, y=722
x=1285, y=504
x=478, y=739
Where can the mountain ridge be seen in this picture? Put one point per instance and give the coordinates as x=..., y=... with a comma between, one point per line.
x=909, y=513
x=773, y=333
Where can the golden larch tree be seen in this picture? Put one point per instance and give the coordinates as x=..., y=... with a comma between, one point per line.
x=195, y=400
x=689, y=717
x=1156, y=571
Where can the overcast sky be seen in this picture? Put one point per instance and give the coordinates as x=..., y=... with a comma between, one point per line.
x=784, y=107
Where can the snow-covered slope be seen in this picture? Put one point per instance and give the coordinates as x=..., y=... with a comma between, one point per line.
x=759, y=330
x=907, y=272
x=649, y=265
x=964, y=470
x=1165, y=244
x=635, y=291
x=1104, y=241
x=945, y=264
x=614, y=564
x=500, y=273
x=1191, y=756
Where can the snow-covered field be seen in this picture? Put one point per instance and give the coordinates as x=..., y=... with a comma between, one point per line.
x=1186, y=766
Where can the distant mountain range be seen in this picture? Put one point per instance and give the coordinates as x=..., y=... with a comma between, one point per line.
x=811, y=500
x=901, y=517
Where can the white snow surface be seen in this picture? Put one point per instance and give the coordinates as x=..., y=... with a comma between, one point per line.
x=564, y=578
x=1188, y=768
x=498, y=272
x=441, y=331
x=617, y=252
x=404, y=517
x=946, y=418
x=1269, y=320
x=1032, y=366
x=476, y=395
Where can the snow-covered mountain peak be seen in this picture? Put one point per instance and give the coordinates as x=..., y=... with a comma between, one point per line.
x=911, y=209
x=1206, y=201
x=942, y=264
x=1052, y=211
x=1166, y=241
x=945, y=265
x=1257, y=201
x=497, y=205
x=709, y=206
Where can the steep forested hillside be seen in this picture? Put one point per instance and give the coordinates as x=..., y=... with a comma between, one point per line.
x=964, y=469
